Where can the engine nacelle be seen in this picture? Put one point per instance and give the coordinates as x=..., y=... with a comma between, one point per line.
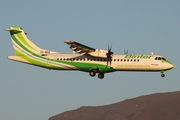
x=99, y=53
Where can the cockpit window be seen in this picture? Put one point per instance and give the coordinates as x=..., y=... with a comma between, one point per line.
x=163, y=58
x=160, y=58
x=21, y=28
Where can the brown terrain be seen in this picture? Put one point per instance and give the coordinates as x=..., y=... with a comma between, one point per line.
x=160, y=106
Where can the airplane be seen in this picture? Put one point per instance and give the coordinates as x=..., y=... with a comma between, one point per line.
x=86, y=59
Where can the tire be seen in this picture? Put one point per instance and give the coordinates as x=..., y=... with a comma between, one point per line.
x=100, y=75
x=92, y=73
x=162, y=75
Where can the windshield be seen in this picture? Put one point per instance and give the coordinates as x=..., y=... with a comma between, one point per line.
x=160, y=58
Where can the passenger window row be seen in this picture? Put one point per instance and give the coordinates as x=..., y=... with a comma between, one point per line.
x=96, y=59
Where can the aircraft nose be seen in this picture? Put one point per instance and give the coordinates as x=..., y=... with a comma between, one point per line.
x=171, y=66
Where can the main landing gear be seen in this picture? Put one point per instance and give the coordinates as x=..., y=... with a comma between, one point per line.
x=101, y=75
x=93, y=72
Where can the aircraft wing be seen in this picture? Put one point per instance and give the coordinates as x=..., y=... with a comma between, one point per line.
x=79, y=48
x=83, y=49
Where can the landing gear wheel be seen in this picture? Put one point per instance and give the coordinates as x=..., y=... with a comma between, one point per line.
x=162, y=75
x=92, y=73
x=100, y=75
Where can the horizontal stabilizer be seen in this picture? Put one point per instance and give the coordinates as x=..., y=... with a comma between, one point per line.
x=18, y=59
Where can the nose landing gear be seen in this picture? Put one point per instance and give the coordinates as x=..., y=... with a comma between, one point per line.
x=162, y=73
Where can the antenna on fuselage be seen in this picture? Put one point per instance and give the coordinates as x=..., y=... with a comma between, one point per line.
x=126, y=51
x=152, y=53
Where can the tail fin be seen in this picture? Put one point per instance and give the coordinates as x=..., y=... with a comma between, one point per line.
x=21, y=44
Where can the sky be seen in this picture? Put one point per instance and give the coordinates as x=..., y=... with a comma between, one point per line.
x=33, y=93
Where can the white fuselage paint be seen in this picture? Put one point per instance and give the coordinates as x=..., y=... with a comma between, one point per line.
x=119, y=62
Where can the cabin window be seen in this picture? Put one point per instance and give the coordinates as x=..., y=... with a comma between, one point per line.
x=138, y=60
x=57, y=58
x=128, y=60
x=114, y=59
x=134, y=60
x=124, y=60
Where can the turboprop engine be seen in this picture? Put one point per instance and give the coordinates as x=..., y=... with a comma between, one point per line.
x=99, y=53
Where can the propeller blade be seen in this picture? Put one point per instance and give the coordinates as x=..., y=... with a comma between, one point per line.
x=109, y=55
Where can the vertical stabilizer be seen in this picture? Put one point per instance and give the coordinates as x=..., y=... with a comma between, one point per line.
x=21, y=44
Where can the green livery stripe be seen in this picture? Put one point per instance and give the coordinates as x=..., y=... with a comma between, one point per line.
x=167, y=62
x=24, y=41
x=23, y=47
x=50, y=63
x=88, y=66
x=30, y=52
x=21, y=38
x=41, y=63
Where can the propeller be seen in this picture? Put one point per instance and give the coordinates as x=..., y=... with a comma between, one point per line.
x=109, y=55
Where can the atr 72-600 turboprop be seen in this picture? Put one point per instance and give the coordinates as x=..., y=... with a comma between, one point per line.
x=86, y=59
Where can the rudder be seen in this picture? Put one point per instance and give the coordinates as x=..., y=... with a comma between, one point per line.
x=21, y=44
